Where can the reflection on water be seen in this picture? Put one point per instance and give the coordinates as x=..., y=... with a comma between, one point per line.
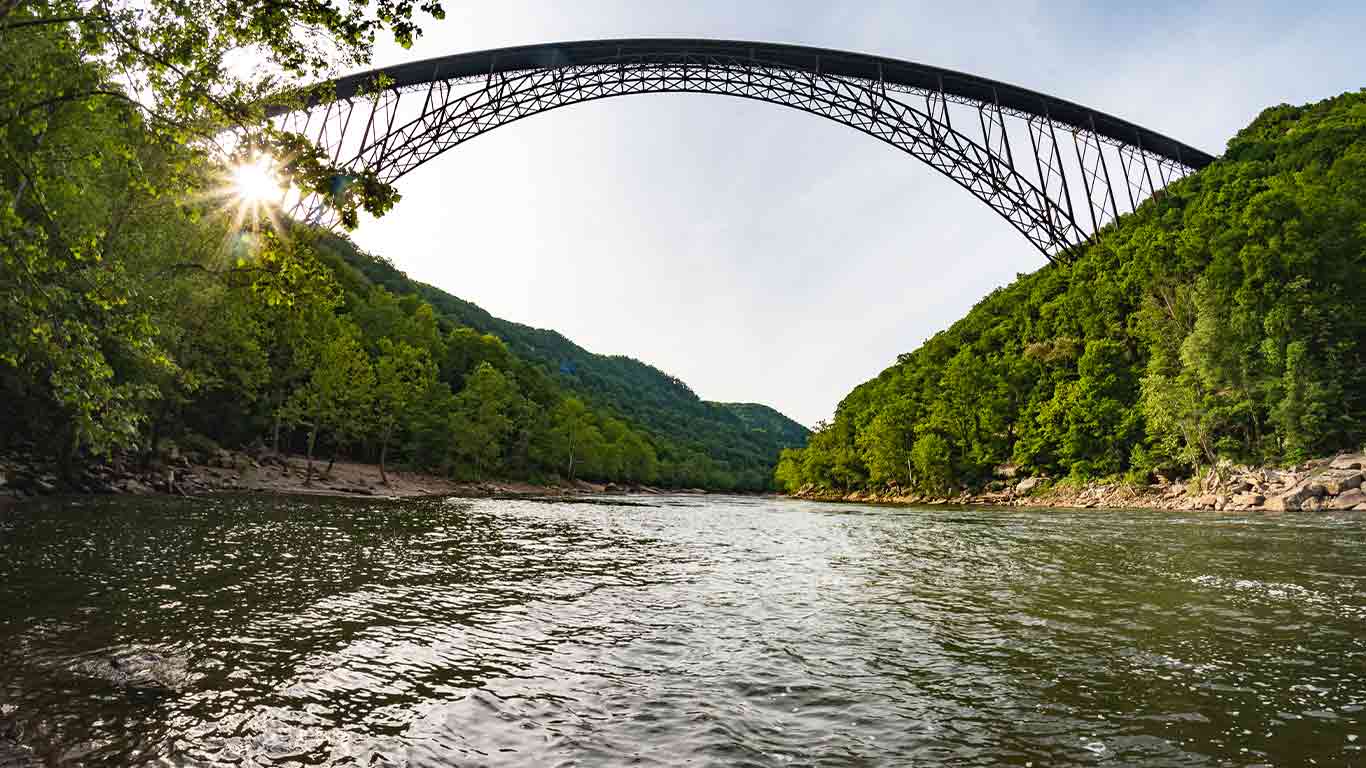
x=259, y=631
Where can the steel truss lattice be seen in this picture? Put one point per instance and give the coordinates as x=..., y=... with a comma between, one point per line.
x=922, y=111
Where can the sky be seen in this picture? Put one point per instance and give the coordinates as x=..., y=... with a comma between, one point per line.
x=766, y=255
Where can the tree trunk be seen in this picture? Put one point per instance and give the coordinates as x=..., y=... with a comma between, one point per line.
x=383, y=451
x=336, y=449
x=275, y=436
x=66, y=454
x=312, y=439
x=154, y=434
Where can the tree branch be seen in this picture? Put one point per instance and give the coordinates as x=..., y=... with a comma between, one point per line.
x=43, y=21
x=68, y=97
x=228, y=112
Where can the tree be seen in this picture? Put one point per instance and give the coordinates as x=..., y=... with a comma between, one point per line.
x=933, y=462
x=481, y=421
x=1097, y=425
x=402, y=374
x=337, y=396
x=790, y=473
x=178, y=65
x=639, y=462
x=466, y=349
x=68, y=301
x=886, y=444
x=382, y=315
x=573, y=437
x=1302, y=411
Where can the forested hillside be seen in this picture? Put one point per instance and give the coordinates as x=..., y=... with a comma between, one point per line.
x=1225, y=320
x=151, y=299
x=743, y=438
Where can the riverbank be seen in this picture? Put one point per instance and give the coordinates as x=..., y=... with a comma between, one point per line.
x=231, y=471
x=1328, y=484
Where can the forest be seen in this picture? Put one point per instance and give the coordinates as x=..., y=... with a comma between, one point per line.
x=145, y=305
x=727, y=445
x=1223, y=321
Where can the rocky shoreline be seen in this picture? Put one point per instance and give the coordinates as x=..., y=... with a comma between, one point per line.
x=1328, y=484
x=264, y=472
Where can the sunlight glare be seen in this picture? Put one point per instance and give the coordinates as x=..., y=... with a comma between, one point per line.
x=255, y=181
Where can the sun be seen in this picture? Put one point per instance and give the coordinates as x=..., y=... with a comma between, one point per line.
x=255, y=181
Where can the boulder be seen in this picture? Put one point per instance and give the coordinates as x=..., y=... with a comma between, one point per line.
x=1249, y=500
x=1281, y=477
x=13, y=755
x=1335, y=481
x=1299, y=496
x=1346, y=500
x=139, y=672
x=1028, y=484
x=1208, y=501
x=1357, y=461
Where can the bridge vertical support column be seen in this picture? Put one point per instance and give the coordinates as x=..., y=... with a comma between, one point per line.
x=1052, y=174
x=995, y=137
x=1095, y=176
x=937, y=108
x=1134, y=159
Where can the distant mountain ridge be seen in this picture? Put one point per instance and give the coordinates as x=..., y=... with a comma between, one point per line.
x=745, y=438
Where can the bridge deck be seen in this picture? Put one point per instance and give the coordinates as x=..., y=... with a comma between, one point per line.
x=894, y=72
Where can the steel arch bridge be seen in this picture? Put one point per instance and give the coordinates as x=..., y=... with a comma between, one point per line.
x=1004, y=144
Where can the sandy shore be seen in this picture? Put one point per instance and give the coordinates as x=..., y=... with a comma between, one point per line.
x=236, y=472
x=355, y=479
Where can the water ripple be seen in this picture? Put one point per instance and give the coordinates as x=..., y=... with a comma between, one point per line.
x=729, y=632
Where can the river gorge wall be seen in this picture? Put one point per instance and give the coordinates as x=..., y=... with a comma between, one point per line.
x=1327, y=484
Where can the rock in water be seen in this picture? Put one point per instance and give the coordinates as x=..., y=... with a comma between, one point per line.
x=14, y=756
x=139, y=672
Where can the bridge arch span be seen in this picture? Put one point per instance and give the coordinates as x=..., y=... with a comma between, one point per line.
x=1005, y=145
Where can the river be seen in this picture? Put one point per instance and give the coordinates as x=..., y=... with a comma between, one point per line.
x=675, y=631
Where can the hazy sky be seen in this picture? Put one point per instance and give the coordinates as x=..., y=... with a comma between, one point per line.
x=766, y=255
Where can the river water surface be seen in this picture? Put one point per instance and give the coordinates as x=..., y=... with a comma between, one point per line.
x=695, y=631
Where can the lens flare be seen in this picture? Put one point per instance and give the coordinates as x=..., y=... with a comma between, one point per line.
x=255, y=182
